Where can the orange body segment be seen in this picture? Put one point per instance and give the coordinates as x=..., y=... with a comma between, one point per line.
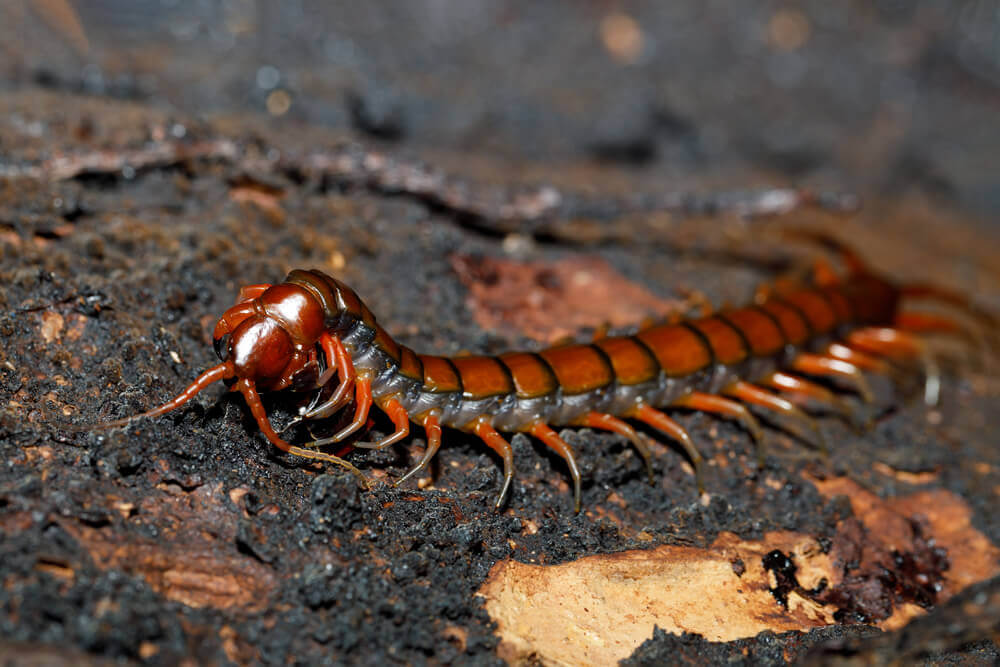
x=793, y=324
x=840, y=304
x=440, y=374
x=384, y=342
x=579, y=368
x=816, y=309
x=760, y=330
x=632, y=361
x=483, y=377
x=410, y=365
x=728, y=344
x=533, y=377
x=678, y=350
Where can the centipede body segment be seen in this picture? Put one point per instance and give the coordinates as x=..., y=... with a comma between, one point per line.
x=313, y=330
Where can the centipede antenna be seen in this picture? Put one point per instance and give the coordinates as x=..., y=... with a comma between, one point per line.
x=330, y=458
x=206, y=379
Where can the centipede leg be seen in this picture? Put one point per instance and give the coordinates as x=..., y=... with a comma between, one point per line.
x=811, y=395
x=727, y=408
x=893, y=342
x=865, y=362
x=661, y=422
x=432, y=425
x=989, y=321
x=606, y=422
x=552, y=440
x=249, y=391
x=496, y=442
x=749, y=393
x=363, y=398
x=339, y=360
x=400, y=419
x=823, y=366
x=931, y=323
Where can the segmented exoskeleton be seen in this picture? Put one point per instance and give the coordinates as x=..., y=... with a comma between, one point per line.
x=308, y=329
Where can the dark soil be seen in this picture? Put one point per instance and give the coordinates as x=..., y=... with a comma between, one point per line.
x=138, y=194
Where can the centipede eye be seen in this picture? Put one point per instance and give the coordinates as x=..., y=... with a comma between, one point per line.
x=222, y=346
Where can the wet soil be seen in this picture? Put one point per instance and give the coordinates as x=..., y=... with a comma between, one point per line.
x=132, y=211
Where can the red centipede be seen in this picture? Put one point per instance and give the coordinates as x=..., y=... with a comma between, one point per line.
x=312, y=329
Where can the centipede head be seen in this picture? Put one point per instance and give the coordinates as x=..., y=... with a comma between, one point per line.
x=265, y=342
x=270, y=339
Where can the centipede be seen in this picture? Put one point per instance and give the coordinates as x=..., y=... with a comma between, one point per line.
x=795, y=351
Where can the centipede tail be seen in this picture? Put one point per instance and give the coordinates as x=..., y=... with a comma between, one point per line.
x=312, y=331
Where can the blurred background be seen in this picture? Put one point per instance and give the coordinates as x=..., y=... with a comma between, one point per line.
x=875, y=96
